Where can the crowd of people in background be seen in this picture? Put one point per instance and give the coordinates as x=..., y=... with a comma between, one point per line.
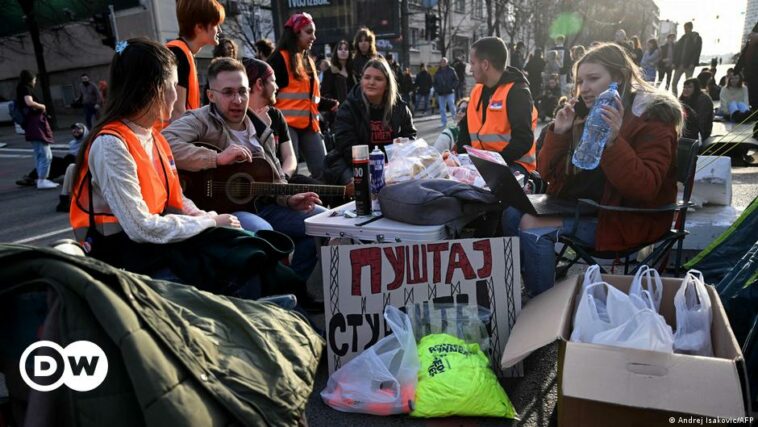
x=302, y=78
x=287, y=106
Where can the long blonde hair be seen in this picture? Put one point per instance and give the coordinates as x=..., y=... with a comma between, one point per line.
x=391, y=95
x=624, y=71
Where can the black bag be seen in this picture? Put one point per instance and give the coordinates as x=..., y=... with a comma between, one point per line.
x=436, y=202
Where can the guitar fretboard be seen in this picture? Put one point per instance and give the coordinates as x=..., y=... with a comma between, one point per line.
x=270, y=189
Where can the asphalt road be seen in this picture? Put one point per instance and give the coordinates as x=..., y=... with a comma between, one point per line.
x=28, y=216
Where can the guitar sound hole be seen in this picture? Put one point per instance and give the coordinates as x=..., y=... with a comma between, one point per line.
x=238, y=188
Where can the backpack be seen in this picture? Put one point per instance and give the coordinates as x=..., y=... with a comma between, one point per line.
x=436, y=202
x=16, y=114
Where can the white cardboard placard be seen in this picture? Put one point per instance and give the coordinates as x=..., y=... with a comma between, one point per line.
x=360, y=280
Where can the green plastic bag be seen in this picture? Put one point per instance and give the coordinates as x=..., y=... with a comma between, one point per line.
x=455, y=379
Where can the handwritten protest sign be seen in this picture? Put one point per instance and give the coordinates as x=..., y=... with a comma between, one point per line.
x=360, y=280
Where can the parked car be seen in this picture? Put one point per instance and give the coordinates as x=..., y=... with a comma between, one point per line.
x=5, y=116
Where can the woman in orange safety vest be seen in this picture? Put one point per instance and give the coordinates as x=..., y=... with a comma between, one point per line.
x=127, y=206
x=199, y=22
x=299, y=97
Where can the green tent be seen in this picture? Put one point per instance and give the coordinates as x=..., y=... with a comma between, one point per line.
x=731, y=261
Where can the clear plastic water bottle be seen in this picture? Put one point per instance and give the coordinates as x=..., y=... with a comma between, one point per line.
x=596, y=132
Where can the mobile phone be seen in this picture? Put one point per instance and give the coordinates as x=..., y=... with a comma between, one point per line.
x=580, y=108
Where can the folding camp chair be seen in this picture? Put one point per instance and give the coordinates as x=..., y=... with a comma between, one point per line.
x=686, y=161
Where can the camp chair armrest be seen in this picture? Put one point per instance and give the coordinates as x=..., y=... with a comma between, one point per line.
x=672, y=207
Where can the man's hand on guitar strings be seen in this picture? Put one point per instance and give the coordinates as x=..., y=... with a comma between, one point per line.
x=303, y=201
x=234, y=154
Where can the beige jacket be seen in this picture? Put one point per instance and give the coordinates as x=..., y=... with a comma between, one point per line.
x=205, y=125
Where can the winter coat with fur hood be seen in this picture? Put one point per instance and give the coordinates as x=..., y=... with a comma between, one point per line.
x=639, y=170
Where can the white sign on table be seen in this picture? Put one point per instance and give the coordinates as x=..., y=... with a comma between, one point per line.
x=360, y=280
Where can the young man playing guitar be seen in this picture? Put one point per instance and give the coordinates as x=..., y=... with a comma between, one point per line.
x=225, y=125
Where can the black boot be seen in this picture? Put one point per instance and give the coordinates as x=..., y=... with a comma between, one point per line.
x=63, y=204
x=26, y=181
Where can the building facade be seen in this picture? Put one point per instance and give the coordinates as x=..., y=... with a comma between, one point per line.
x=74, y=47
x=751, y=18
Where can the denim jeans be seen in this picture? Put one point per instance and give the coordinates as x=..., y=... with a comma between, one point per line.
x=422, y=102
x=443, y=101
x=43, y=156
x=252, y=222
x=312, y=147
x=89, y=113
x=538, y=247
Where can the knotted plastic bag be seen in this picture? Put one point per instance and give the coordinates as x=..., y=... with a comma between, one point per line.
x=455, y=379
x=693, y=316
x=381, y=380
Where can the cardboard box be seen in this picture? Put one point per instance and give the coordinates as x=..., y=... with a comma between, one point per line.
x=602, y=385
x=713, y=181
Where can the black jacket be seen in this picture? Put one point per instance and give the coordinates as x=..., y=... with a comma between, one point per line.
x=335, y=85
x=445, y=81
x=687, y=50
x=519, y=106
x=698, y=116
x=423, y=82
x=352, y=127
x=406, y=84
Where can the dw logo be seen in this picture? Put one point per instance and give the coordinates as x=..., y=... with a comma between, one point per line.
x=82, y=366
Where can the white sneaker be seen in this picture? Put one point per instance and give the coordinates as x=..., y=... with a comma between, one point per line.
x=45, y=184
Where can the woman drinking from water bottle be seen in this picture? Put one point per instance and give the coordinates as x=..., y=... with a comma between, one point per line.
x=637, y=167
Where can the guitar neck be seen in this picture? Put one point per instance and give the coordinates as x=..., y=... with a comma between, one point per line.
x=270, y=189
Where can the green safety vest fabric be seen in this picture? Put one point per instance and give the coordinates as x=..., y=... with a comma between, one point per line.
x=455, y=379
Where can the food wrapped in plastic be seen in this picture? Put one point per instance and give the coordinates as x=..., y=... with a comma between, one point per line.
x=467, y=175
x=414, y=160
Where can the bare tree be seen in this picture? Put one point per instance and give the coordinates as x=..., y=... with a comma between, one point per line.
x=30, y=18
x=449, y=25
x=244, y=25
x=57, y=37
x=517, y=19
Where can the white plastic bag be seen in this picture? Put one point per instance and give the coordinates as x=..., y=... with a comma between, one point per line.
x=381, y=380
x=414, y=160
x=601, y=307
x=592, y=275
x=647, y=289
x=693, y=316
x=645, y=330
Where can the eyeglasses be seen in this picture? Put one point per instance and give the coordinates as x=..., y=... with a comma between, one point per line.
x=229, y=93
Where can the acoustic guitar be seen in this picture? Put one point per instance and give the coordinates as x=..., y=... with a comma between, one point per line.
x=231, y=188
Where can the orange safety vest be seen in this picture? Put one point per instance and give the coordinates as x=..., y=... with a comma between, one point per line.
x=193, y=89
x=495, y=133
x=298, y=105
x=160, y=189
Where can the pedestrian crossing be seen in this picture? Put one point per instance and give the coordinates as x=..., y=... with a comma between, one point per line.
x=28, y=153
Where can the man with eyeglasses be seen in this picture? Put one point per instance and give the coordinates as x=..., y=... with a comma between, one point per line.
x=224, y=123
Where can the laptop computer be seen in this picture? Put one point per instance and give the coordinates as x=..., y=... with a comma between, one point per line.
x=506, y=187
